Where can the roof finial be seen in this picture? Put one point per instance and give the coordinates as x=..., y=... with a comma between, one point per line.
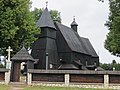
x=46, y=4
x=73, y=18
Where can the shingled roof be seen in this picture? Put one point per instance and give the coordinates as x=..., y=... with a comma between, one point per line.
x=72, y=40
x=67, y=67
x=89, y=47
x=22, y=55
x=45, y=20
x=75, y=42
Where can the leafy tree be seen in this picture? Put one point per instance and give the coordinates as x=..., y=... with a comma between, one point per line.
x=112, y=43
x=54, y=14
x=16, y=24
x=110, y=65
x=114, y=62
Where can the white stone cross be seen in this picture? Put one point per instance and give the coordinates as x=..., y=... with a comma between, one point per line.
x=8, y=62
x=9, y=50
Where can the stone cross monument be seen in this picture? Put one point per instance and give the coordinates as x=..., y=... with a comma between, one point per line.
x=8, y=62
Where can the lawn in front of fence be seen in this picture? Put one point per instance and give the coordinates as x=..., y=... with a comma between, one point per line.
x=55, y=88
x=4, y=87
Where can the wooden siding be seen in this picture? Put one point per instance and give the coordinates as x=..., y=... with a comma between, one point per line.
x=114, y=79
x=48, y=77
x=86, y=78
x=2, y=76
x=16, y=72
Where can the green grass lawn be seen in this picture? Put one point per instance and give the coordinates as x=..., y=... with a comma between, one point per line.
x=4, y=87
x=7, y=87
x=55, y=88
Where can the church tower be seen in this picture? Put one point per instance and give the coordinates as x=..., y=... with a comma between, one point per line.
x=74, y=25
x=45, y=45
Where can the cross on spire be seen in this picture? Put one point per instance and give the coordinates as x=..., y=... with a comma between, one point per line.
x=46, y=3
x=73, y=18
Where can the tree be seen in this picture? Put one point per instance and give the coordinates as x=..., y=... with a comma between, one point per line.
x=112, y=43
x=16, y=24
x=54, y=14
x=110, y=66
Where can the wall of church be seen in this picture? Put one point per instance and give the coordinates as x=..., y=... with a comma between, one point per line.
x=48, y=32
x=95, y=60
x=65, y=56
x=39, y=50
x=84, y=59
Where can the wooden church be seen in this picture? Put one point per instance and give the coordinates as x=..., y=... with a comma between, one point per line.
x=57, y=47
x=63, y=47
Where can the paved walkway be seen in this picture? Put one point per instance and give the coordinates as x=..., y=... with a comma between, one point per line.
x=17, y=85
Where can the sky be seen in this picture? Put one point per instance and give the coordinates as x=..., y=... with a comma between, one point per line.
x=90, y=15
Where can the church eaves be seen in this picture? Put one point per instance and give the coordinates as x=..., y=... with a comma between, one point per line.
x=45, y=20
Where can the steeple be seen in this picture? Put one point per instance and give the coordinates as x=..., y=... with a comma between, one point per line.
x=45, y=20
x=74, y=24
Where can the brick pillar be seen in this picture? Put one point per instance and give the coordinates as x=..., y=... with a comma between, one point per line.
x=7, y=77
x=29, y=78
x=67, y=78
x=106, y=80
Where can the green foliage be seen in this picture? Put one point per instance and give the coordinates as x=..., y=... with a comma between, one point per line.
x=112, y=43
x=54, y=14
x=16, y=24
x=2, y=66
x=4, y=87
x=110, y=66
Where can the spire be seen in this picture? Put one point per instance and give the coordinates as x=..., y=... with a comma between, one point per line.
x=45, y=20
x=46, y=4
x=74, y=24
